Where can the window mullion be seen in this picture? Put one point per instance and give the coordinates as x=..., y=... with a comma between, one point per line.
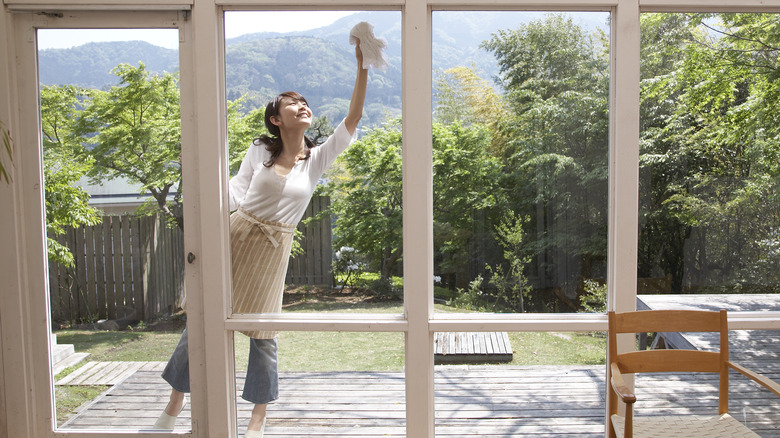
x=212, y=374
x=418, y=217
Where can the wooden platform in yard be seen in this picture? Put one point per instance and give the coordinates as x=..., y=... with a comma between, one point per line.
x=471, y=347
x=481, y=401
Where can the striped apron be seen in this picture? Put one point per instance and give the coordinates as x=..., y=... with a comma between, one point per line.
x=260, y=252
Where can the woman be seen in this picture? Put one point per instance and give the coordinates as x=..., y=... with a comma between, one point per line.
x=270, y=193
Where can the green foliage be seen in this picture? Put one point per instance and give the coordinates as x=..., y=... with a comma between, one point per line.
x=710, y=151
x=133, y=130
x=467, y=192
x=462, y=96
x=512, y=286
x=595, y=297
x=63, y=165
x=544, y=59
x=242, y=129
x=297, y=248
x=556, y=80
x=384, y=288
x=472, y=298
x=365, y=190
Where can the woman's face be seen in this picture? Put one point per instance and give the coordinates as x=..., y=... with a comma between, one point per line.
x=292, y=114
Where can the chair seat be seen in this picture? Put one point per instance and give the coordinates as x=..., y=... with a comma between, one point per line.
x=687, y=426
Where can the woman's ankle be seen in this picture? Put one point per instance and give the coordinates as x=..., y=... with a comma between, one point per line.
x=175, y=406
x=256, y=433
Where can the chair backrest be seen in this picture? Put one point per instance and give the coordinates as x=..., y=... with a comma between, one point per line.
x=659, y=321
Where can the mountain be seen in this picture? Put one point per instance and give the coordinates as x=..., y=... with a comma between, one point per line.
x=318, y=63
x=258, y=69
x=90, y=65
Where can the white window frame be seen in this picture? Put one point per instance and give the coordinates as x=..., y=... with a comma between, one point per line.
x=25, y=399
x=34, y=323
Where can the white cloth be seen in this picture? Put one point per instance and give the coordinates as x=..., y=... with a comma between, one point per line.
x=267, y=195
x=371, y=46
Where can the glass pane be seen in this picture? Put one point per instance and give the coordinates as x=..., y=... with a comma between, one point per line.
x=520, y=139
x=344, y=224
x=111, y=142
x=337, y=203
x=709, y=214
x=328, y=384
x=519, y=384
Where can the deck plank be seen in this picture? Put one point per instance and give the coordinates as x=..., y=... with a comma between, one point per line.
x=483, y=401
x=472, y=347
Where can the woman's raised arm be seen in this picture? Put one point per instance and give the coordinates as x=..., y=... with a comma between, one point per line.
x=358, y=93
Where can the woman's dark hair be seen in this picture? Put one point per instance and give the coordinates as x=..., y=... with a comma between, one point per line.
x=273, y=140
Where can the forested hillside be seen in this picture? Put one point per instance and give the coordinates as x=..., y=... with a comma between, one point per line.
x=90, y=65
x=319, y=63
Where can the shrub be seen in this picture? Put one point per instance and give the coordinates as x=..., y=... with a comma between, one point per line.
x=595, y=297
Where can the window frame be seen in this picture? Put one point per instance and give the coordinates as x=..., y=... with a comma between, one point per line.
x=36, y=319
x=24, y=317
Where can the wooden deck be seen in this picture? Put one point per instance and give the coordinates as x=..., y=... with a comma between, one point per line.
x=471, y=347
x=756, y=349
x=483, y=401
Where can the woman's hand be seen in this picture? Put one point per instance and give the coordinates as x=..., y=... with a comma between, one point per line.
x=358, y=54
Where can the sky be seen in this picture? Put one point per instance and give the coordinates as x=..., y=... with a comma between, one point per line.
x=236, y=23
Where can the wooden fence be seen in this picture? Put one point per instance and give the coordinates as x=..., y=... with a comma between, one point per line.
x=124, y=268
x=133, y=268
x=313, y=267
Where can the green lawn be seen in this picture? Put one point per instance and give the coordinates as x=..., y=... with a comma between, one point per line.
x=69, y=398
x=121, y=346
x=330, y=351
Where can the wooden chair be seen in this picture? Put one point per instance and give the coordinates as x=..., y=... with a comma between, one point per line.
x=656, y=361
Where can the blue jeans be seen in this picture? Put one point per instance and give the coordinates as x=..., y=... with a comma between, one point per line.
x=262, y=375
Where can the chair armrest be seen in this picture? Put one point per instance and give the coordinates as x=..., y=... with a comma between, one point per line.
x=620, y=387
x=761, y=380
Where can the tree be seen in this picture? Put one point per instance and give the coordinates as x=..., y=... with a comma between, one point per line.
x=464, y=97
x=366, y=191
x=468, y=197
x=66, y=203
x=512, y=286
x=133, y=131
x=713, y=153
x=663, y=163
x=556, y=80
x=366, y=198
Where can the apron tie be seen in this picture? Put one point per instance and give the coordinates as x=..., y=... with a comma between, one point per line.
x=266, y=229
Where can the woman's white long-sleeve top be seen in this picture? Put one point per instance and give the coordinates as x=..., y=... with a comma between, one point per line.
x=283, y=198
